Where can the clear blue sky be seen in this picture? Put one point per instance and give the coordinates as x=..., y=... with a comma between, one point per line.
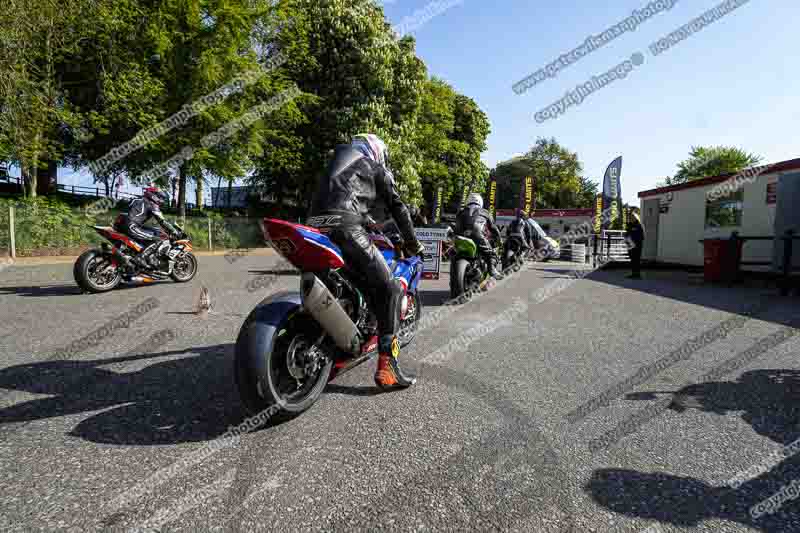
x=735, y=82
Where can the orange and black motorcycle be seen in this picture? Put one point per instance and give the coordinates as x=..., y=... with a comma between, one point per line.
x=103, y=269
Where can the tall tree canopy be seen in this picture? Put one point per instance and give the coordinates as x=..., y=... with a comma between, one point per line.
x=35, y=37
x=451, y=135
x=707, y=161
x=559, y=180
x=81, y=78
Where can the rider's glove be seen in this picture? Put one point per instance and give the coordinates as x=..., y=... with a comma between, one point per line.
x=414, y=247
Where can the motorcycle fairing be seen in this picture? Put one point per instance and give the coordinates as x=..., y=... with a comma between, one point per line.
x=465, y=246
x=312, y=251
x=303, y=246
x=113, y=235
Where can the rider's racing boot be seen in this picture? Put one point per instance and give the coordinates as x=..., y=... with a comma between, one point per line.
x=495, y=272
x=388, y=375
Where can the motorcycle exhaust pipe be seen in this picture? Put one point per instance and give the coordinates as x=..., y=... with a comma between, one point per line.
x=126, y=262
x=319, y=301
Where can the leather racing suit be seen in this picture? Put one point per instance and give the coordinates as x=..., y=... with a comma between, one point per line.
x=140, y=211
x=472, y=222
x=354, y=194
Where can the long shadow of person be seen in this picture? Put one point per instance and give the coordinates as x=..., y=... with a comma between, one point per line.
x=768, y=400
x=183, y=399
x=687, y=501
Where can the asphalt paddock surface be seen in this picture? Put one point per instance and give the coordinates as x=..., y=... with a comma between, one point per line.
x=550, y=403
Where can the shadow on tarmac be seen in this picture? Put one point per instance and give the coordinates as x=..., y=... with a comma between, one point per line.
x=285, y=272
x=736, y=300
x=769, y=400
x=187, y=399
x=42, y=290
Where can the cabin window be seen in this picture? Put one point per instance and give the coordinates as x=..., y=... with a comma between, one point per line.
x=726, y=211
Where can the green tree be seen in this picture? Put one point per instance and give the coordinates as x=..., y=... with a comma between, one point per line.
x=587, y=193
x=451, y=135
x=151, y=60
x=559, y=183
x=707, y=161
x=113, y=81
x=357, y=77
x=34, y=37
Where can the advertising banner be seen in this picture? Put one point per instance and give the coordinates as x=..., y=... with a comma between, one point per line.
x=598, y=214
x=526, y=194
x=436, y=211
x=492, y=196
x=626, y=216
x=432, y=239
x=612, y=193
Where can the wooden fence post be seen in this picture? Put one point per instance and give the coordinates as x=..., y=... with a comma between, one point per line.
x=12, y=243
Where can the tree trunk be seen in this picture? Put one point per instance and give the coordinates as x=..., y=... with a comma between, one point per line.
x=173, y=187
x=215, y=200
x=199, y=192
x=31, y=178
x=46, y=178
x=182, y=174
x=230, y=193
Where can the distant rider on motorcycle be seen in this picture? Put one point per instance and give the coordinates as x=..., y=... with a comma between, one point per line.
x=357, y=190
x=140, y=211
x=520, y=229
x=471, y=222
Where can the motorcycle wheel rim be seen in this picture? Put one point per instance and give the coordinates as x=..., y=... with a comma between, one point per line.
x=408, y=326
x=283, y=369
x=184, y=267
x=100, y=275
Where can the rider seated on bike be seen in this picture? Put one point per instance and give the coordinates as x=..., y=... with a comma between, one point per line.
x=132, y=223
x=357, y=190
x=538, y=235
x=520, y=229
x=471, y=222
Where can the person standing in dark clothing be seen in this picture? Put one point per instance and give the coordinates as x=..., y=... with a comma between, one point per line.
x=358, y=192
x=635, y=236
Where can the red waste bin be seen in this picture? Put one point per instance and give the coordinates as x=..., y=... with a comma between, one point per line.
x=721, y=259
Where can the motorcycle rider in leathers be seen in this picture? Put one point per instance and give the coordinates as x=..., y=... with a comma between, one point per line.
x=358, y=191
x=520, y=228
x=140, y=211
x=472, y=222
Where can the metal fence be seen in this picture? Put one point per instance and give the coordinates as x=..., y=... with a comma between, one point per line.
x=610, y=245
x=49, y=229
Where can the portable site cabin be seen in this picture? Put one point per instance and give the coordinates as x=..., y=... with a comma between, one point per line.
x=760, y=202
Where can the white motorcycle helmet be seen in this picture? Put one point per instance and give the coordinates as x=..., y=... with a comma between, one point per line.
x=373, y=147
x=475, y=199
